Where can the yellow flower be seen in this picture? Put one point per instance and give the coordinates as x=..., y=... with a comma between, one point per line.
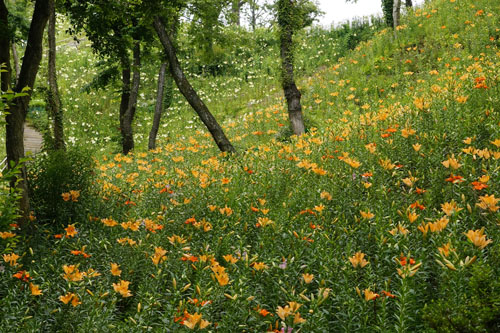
x=71, y=273
x=192, y=320
x=229, y=258
x=406, y=132
x=115, y=269
x=450, y=207
x=371, y=147
x=220, y=274
x=297, y=319
x=445, y=249
x=401, y=229
x=439, y=225
x=6, y=234
x=109, y=222
x=408, y=181
x=416, y=146
x=387, y=164
x=204, y=323
x=35, y=290
x=484, y=179
x=358, y=259
x=122, y=288
x=488, y=202
x=71, y=231
x=74, y=195
x=370, y=295
x=11, y=259
x=159, y=255
x=264, y=221
x=326, y=195
x=124, y=240
x=424, y=228
x=259, y=266
x=319, y=208
x=66, y=298
x=451, y=163
x=412, y=216
x=70, y=297
x=421, y=104
x=308, y=278
x=91, y=273
x=478, y=238
x=289, y=309
x=367, y=215
x=294, y=306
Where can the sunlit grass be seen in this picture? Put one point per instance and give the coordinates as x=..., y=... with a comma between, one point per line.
x=384, y=216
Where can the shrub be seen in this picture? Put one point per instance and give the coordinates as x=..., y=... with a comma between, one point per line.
x=55, y=173
x=475, y=308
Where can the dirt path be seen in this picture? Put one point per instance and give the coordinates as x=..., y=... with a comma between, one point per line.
x=33, y=140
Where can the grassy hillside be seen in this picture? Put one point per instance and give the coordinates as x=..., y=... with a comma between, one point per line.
x=384, y=217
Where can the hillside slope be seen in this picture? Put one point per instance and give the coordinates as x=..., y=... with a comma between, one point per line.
x=384, y=217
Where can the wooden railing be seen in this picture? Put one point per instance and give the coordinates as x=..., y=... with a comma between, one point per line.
x=3, y=165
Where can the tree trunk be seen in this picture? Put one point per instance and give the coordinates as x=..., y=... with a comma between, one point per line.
x=159, y=103
x=409, y=3
x=128, y=117
x=235, y=9
x=253, y=12
x=125, y=64
x=387, y=8
x=292, y=93
x=54, y=99
x=396, y=12
x=5, y=75
x=18, y=110
x=189, y=93
x=17, y=69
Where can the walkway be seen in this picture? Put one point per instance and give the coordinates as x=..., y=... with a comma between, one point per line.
x=33, y=140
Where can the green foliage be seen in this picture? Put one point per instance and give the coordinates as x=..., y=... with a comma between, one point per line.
x=390, y=116
x=468, y=303
x=286, y=132
x=387, y=10
x=9, y=196
x=9, y=205
x=108, y=73
x=56, y=172
x=19, y=11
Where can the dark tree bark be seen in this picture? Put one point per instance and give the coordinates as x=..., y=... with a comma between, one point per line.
x=387, y=8
x=54, y=98
x=236, y=11
x=4, y=47
x=396, y=13
x=17, y=68
x=292, y=93
x=159, y=103
x=253, y=15
x=128, y=117
x=189, y=93
x=409, y=3
x=125, y=64
x=18, y=110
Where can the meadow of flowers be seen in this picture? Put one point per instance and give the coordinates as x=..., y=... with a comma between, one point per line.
x=384, y=217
